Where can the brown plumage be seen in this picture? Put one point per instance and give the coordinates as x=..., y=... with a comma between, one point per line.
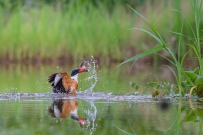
x=63, y=83
x=68, y=106
x=61, y=108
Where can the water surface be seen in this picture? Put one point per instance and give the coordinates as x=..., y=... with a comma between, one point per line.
x=59, y=114
x=105, y=104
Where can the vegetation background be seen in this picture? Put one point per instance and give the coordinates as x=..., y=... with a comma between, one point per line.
x=37, y=33
x=46, y=31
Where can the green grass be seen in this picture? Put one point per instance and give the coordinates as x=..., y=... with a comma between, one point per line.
x=82, y=29
x=177, y=60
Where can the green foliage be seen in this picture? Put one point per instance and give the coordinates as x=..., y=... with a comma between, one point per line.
x=161, y=86
x=69, y=27
x=191, y=75
x=78, y=28
x=134, y=85
x=192, y=78
x=158, y=48
x=163, y=45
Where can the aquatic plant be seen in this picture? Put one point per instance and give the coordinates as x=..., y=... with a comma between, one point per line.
x=177, y=61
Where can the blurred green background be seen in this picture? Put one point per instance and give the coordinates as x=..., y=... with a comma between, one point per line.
x=44, y=31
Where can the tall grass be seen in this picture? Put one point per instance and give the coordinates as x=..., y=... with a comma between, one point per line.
x=83, y=29
x=176, y=61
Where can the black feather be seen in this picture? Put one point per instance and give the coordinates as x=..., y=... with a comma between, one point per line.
x=74, y=71
x=59, y=86
x=52, y=77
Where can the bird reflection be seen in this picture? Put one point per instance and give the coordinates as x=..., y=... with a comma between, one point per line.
x=61, y=108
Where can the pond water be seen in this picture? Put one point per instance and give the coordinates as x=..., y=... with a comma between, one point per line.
x=105, y=104
x=47, y=114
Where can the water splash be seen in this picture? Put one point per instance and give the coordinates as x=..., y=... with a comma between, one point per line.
x=41, y=81
x=92, y=113
x=93, y=78
x=20, y=96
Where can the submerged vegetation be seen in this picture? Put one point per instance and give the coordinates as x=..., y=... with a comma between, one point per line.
x=193, y=79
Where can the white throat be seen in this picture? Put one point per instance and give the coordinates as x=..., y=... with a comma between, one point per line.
x=74, y=112
x=75, y=77
x=74, y=115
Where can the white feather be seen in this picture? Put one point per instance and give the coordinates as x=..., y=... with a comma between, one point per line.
x=57, y=78
x=75, y=77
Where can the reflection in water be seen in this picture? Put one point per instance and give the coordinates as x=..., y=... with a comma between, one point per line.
x=104, y=117
x=195, y=113
x=61, y=108
x=92, y=113
x=164, y=105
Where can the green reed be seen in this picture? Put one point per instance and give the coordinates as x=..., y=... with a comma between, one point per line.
x=176, y=61
x=78, y=29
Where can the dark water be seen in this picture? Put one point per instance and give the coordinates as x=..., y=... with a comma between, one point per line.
x=105, y=104
x=47, y=114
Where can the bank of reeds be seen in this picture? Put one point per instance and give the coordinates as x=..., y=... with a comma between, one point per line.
x=56, y=31
x=52, y=31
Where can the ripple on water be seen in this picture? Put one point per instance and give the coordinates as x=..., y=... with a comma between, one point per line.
x=80, y=95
